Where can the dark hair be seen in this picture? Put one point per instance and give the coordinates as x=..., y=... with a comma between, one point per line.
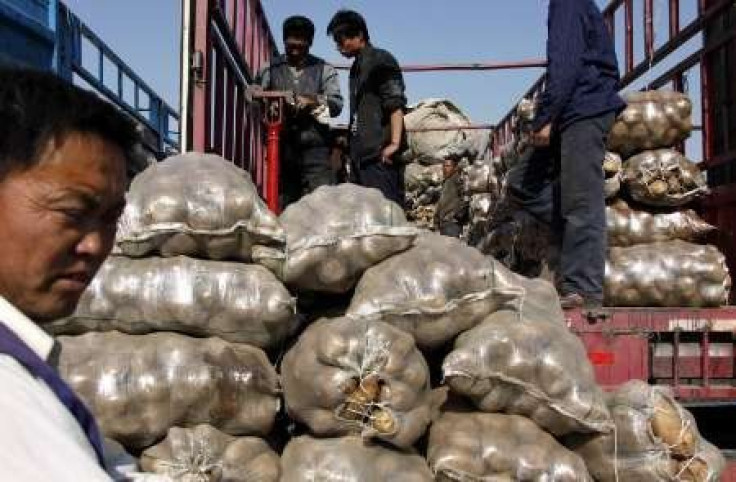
x=36, y=107
x=300, y=27
x=348, y=23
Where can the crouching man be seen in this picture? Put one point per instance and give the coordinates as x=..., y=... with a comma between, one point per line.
x=63, y=156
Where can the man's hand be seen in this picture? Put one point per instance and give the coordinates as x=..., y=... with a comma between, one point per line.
x=389, y=151
x=541, y=138
x=306, y=102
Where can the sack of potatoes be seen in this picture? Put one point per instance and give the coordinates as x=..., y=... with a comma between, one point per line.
x=480, y=177
x=663, y=178
x=651, y=120
x=435, y=290
x=197, y=205
x=139, y=386
x=537, y=369
x=437, y=142
x=672, y=273
x=203, y=453
x=347, y=376
x=333, y=235
x=472, y=446
x=612, y=166
x=628, y=226
x=349, y=459
x=656, y=440
x=234, y=301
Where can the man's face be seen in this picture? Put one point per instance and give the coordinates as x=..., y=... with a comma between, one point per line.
x=448, y=168
x=59, y=219
x=349, y=47
x=296, y=48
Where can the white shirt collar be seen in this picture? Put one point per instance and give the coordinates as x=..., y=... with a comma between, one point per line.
x=30, y=333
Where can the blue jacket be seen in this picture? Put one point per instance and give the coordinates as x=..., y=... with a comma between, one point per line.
x=582, y=74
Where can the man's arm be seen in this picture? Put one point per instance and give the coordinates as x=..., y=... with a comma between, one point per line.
x=565, y=49
x=393, y=100
x=330, y=89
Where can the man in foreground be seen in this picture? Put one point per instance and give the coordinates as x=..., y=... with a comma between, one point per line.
x=63, y=155
x=561, y=181
x=305, y=146
x=377, y=103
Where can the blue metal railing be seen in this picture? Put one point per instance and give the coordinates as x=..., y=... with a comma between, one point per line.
x=45, y=34
x=157, y=116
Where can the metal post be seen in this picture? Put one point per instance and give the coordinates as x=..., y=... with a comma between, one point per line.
x=274, y=121
x=629, y=14
x=674, y=18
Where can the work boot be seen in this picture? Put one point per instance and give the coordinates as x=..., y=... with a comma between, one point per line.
x=592, y=309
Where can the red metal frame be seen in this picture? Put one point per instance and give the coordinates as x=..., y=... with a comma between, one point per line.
x=691, y=350
x=230, y=42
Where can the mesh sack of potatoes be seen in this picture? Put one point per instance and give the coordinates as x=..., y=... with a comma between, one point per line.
x=672, y=273
x=334, y=234
x=139, y=386
x=651, y=120
x=349, y=459
x=612, y=166
x=236, y=302
x=493, y=446
x=198, y=205
x=432, y=146
x=656, y=439
x=435, y=290
x=533, y=368
x=423, y=186
x=663, y=178
x=628, y=226
x=203, y=453
x=481, y=177
x=348, y=376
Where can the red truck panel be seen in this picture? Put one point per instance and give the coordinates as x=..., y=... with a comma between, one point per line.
x=691, y=350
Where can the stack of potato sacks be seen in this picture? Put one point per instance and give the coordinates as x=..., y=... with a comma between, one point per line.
x=167, y=344
x=435, y=363
x=652, y=258
x=482, y=187
x=439, y=134
x=423, y=187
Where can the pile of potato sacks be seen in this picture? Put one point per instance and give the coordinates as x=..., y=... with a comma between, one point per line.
x=652, y=259
x=436, y=362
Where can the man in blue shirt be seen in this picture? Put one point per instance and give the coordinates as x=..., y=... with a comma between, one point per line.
x=561, y=181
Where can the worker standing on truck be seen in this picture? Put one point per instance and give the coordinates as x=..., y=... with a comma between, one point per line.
x=561, y=181
x=452, y=209
x=63, y=155
x=305, y=143
x=377, y=103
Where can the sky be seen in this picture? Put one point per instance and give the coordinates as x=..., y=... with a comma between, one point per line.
x=146, y=34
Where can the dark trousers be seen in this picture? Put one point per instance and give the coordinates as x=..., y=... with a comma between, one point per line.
x=303, y=169
x=563, y=186
x=450, y=228
x=387, y=178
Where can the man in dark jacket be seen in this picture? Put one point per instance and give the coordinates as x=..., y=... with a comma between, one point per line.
x=574, y=116
x=377, y=103
x=452, y=210
x=305, y=146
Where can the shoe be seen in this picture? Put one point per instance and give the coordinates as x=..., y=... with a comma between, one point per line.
x=592, y=309
x=571, y=301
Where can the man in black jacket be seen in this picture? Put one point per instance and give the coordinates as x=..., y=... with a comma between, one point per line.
x=377, y=103
x=574, y=116
x=305, y=145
